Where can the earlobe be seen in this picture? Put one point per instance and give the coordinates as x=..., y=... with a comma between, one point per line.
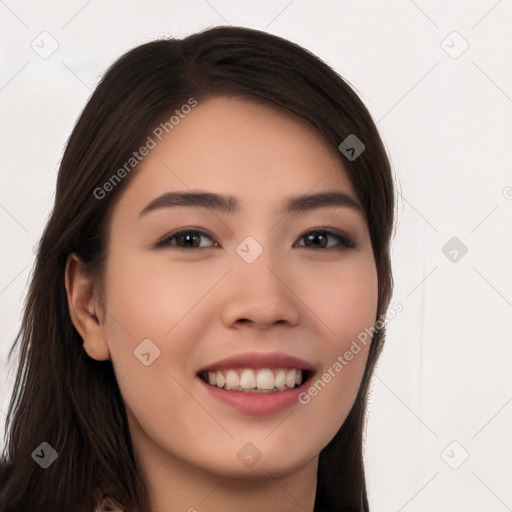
x=84, y=309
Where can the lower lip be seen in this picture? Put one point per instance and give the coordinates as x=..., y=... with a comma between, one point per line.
x=257, y=404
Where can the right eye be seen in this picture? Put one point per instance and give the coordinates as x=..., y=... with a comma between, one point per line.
x=185, y=239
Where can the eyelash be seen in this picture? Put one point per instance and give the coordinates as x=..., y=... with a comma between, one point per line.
x=165, y=242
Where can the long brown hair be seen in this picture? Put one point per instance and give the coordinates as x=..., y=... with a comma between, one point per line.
x=71, y=401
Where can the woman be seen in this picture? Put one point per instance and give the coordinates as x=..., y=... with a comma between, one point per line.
x=196, y=331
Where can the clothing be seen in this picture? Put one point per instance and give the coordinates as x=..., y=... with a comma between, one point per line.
x=108, y=504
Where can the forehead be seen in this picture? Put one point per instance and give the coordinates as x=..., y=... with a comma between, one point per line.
x=239, y=147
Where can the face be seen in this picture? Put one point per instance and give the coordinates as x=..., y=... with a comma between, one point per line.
x=254, y=280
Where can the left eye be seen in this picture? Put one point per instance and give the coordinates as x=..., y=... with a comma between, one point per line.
x=318, y=239
x=314, y=238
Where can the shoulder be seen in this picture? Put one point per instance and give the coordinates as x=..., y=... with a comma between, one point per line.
x=105, y=503
x=108, y=504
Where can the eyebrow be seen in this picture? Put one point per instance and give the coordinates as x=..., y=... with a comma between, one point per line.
x=229, y=204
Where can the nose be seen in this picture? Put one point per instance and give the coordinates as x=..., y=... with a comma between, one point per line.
x=260, y=295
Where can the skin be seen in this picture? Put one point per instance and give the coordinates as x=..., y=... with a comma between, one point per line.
x=204, y=304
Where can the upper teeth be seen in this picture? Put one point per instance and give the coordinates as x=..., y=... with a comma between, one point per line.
x=249, y=379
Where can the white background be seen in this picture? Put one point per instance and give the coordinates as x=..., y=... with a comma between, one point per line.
x=445, y=374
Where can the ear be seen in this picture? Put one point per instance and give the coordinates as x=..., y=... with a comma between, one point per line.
x=84, y=309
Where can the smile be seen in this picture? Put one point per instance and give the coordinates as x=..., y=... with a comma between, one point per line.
x=249, y=380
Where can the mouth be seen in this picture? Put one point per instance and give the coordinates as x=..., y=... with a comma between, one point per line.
x=256, y=380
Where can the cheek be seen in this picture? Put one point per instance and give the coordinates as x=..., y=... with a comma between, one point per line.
x=153, y=299
x=343, y=299
x=346, y=304
x=148, y=297
x=156, y=302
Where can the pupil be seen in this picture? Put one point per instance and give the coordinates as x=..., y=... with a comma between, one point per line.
x=189, y=238
x=315, y=236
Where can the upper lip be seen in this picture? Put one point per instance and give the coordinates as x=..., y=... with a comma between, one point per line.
x=260, y=360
